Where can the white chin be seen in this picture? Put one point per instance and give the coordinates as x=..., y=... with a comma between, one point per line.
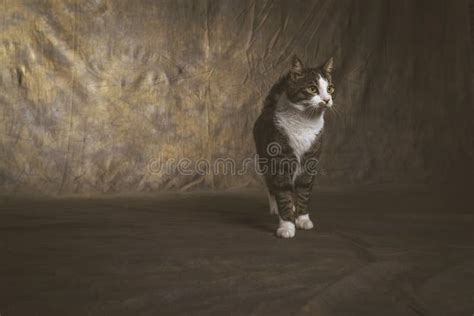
x=326, y=105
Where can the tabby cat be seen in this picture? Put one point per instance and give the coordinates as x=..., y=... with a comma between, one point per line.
x=288, y=133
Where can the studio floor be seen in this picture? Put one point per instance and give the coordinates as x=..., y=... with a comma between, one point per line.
x=372, y=253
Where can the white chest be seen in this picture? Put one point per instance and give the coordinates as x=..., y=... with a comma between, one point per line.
x=300, y=131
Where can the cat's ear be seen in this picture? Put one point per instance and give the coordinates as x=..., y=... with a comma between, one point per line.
x=297, y=67
x=328, y=65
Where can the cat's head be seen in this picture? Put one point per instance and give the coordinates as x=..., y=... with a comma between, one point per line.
x=310, y=88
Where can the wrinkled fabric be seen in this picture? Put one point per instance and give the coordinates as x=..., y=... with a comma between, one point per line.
x=93, y=93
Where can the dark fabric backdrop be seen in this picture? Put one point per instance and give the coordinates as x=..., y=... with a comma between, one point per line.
x=94, y=94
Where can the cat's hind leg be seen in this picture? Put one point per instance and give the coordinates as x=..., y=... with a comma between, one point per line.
x=273, y=204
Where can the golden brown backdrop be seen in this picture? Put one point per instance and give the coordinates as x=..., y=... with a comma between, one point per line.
x=92, y=91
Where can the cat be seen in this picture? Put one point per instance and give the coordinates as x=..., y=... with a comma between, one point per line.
x=288, y=133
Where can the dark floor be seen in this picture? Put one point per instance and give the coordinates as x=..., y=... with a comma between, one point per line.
x=371, y=253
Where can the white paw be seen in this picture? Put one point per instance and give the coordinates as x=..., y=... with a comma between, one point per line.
x=303, y=222
x=286, y=229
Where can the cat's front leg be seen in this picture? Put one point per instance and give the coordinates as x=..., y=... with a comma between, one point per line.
x=280, y=185
x=286, y=226
x=303, y=187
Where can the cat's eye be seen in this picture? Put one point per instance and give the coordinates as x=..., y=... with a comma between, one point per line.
x=312, y=89
x=331, y=89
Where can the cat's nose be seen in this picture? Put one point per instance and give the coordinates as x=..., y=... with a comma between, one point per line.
x=326, y=100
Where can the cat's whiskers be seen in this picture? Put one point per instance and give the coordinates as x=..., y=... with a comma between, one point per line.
x=338, y=112
x=334, y=111
x=311, y=113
